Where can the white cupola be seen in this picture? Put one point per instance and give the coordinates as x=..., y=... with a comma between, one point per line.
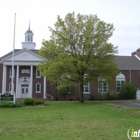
x=28, y=44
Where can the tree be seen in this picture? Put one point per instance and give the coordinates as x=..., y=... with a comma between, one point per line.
x=68, y=90
x=128, y=91
x=78, y=51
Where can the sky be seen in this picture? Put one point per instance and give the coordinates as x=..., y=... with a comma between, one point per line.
x=124, y=14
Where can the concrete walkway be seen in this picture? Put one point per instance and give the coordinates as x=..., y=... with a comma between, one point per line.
x=133, y=104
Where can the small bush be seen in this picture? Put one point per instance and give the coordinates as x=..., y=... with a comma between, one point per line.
x=28, y=101
x=10, y=105
x=46, y=104
x=38, y=102
x=128, y=91
x=101, y=96
x=108, y=95
x=91, y=98
x=70, y=99
x=111, y=95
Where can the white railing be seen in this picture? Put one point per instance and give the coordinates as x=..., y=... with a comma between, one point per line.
x=51, y=97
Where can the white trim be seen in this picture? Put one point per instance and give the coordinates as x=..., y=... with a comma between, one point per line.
x=39, y=87
x=10, y=72
x=10, y=87
x=23, y=50
x=23, y=63
x=31, y=80
x=4, y=79
x=25, y=71
x=137, y=57
x=17, y=80
x=44, y=94
x=88, y=89
x=102, y=86
x=37, y=73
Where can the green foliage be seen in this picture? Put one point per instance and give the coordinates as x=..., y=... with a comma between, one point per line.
x=128, y=91
x=108, y=95
x=66, y=89
x=10, y=105
x=28, y=101
x=111, y=95
x=38, y=102
x=101, y=96
x=91, y=98
x=79, y=51
x=69, y=121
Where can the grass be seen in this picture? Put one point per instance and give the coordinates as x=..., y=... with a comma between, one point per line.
x=68, y=121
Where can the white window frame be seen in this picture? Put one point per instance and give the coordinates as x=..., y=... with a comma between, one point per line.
x=120, y=79
x=87, y=85
x=10, y=87
x=25, y=71
x=39, y=88
x=118, y=85
x=10, y=72
x=37, y=73
x=102, y=85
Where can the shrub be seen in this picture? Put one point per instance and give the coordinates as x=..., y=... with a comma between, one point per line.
x=91, y=98
x=38, y=102
x=111, y=95
x=101, y=96
x=128, y=91
x=10, y=105
x=70, y=99
x=28, y=101
x=108, y=95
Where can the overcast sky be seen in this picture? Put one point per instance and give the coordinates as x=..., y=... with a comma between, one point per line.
x=124, y=14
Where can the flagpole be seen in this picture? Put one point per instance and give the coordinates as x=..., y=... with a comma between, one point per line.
x=13, y=60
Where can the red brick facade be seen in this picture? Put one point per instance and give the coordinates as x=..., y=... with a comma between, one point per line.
x=130, y=76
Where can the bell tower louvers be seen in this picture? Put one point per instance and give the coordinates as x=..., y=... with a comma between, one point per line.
x=28, y=44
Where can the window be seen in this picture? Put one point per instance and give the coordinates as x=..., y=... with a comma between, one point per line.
x=102, y=85
x=10, y=87
x=31, y=38
x=28, y=38
x=38, y=88
x=120, y=79
x=86, y=88
x=10, y=73
x=25, y=71
x=38, y=75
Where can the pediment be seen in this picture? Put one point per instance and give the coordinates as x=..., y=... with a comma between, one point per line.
x=25, y=55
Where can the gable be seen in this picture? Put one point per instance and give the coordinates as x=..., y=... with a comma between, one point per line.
x=25, y=55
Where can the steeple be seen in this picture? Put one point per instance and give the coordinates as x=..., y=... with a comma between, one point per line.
x=29, y=44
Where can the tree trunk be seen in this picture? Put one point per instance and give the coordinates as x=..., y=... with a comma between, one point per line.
x=81, y=93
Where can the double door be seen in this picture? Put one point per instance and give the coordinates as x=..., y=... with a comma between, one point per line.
x=25, y=91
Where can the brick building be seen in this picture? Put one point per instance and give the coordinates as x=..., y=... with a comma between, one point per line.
x=28, y=83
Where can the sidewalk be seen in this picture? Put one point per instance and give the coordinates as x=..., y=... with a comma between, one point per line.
x=132, y=103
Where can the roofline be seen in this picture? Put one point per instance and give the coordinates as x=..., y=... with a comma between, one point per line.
x=21, y=50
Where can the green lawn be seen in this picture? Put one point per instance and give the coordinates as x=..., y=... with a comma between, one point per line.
x=68, y=121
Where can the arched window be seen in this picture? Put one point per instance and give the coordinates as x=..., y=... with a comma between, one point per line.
x=120, y=79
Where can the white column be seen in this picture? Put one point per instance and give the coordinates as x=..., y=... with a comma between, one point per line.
x=44, y=91
x=17, y=78
x=31, y=81
x=4, y=78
